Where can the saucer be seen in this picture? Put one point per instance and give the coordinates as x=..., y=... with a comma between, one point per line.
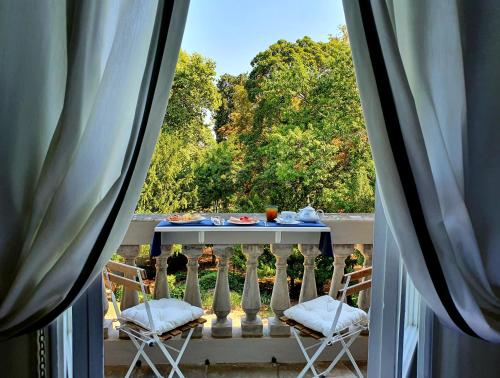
x=282, y=221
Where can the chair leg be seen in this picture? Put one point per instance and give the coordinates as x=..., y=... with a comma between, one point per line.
x=310, y=360
x=167, y=355
x=353, y=361
x=139, y=350
x=343, y=351
x=304, y=351
x=145, y=356
x=181, y=352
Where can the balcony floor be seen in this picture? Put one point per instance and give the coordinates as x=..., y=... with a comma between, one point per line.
x=343, y=370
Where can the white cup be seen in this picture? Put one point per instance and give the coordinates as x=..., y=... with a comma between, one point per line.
x=288, y=216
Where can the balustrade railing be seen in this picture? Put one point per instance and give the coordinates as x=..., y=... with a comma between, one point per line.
x=349, y=232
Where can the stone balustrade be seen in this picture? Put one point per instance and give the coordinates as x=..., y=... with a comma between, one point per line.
x=251, y=324
x=349, y=232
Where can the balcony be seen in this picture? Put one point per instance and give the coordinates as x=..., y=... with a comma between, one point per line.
x=236, y=339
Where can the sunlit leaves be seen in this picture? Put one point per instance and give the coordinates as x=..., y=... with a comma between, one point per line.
x=290, y=132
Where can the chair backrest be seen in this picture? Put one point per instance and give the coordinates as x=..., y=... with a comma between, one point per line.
x=349, y=290
x=356, y=287
x=137, y=283
x=113, y=266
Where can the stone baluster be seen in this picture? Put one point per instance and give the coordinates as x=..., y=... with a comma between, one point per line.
x=192, y=294
x=161, y=284
x=280, y=298
x=341, y=252
x=251, y=324
x=222, y=325
x=308, y=289
x=130, y=297
x=364, y=296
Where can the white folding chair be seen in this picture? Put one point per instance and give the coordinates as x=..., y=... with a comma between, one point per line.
x=345, y=336
x=140, y=335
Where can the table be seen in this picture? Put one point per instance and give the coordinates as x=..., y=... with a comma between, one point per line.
x=230, y=235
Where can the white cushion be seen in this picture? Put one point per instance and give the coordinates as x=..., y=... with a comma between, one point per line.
x=318, y=314
x=167, y=314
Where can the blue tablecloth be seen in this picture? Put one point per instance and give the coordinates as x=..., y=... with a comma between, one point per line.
x=325, y=240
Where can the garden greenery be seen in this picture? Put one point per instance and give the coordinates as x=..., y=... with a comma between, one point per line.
x=289, y=132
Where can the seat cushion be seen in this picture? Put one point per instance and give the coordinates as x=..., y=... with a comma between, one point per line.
x=318, y=314
x=167, y=314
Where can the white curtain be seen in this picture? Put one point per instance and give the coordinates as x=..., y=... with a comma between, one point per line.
x=83, y=91
x=429, y=79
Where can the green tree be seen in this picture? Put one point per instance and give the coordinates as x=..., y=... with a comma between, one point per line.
x=169, y=183
x=194, y=95
x=227, y=86
x=184, y=137
x=290, y=132
x=216, y=177
x=308, y=142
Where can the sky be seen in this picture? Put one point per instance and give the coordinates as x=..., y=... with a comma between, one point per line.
x=232, y=32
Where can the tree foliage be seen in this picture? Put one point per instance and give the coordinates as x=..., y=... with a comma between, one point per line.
x=289, y=132
x=184, y=137
x=216, y=177
x=308, y=142
x=228, y=86
x=193, y=96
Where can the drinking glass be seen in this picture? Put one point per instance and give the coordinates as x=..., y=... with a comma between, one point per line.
x=271, y=213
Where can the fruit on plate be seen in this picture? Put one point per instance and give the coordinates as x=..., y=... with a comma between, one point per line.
x=243, y=219
x=184, y=217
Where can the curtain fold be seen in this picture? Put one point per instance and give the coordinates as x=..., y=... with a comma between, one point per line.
x=83, y=92
x=428, y=78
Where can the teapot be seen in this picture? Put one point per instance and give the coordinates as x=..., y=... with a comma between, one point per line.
x=309, y=214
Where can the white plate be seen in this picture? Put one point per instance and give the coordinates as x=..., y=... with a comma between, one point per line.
x=242, y=223
x=193, y=221
x=280, y=221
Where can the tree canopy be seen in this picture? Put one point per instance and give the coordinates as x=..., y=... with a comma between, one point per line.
x=184, y=137
x=289, y=132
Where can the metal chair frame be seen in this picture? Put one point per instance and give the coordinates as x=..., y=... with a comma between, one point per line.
x=346, y=339
x=141, y=336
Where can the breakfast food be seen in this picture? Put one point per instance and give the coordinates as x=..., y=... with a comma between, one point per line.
x=184, y=217
x=244, y=219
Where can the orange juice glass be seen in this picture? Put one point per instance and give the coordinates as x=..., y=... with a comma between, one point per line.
x=271, y=213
